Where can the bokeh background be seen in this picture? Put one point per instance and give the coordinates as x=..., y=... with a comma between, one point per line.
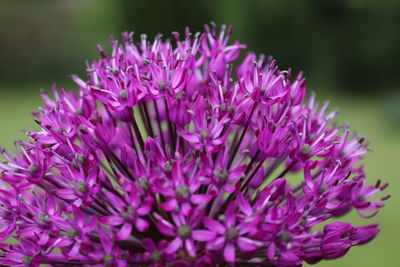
x=349, y=50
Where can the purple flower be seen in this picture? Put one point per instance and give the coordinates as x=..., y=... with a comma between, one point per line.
x=173, y=153
x=229, y=235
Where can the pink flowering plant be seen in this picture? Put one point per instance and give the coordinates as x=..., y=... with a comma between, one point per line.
x=173, y=153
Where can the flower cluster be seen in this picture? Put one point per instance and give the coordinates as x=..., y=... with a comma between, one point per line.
x=171, y=153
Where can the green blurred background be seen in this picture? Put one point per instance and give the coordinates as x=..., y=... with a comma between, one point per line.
x=349, y=50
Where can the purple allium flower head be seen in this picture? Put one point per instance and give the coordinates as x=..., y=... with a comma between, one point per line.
x=172, y=153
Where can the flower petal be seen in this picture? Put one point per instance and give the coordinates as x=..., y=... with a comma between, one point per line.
x=229, y=253
x=124, y=232
x=247, y=244
x=174, y=245
x=200, y=199
x=74, y=250
x=141, y=225
x=244, y=206
x=169, y=205
x=105, y=240
x=44, y=237
x=214, y=225
x=190, y=248
x=111, y=220
x=203, y=235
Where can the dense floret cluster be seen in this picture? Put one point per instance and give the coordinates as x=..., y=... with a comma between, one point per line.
x=172, y=153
